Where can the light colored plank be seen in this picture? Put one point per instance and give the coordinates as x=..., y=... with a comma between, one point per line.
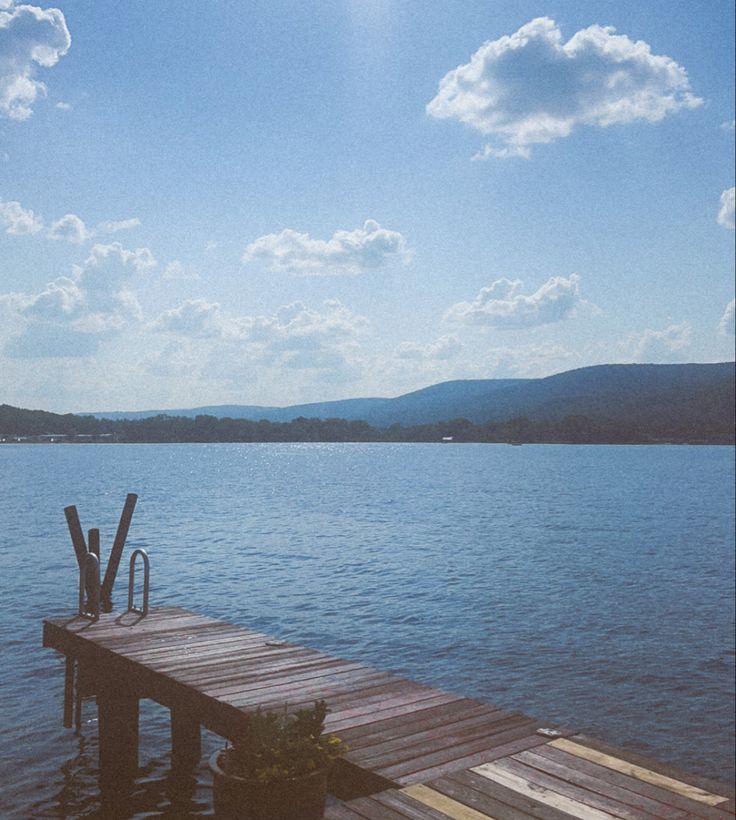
x=540, y=793
x=631, y=769
x=437, y=800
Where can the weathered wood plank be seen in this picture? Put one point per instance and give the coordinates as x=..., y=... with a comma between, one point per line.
x=641, y=773
x=496, y=735
x=527, y=741
x=573, y=790
x=493, y=771
x=408, y=807
x=603, y=786
x=631, y=784
x=505, y=803
x=452, y=734
x=441, y=802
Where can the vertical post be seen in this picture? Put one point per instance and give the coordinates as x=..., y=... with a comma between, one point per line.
x=93, y=542
x=116, y=551
x=186, y=740
x=68, y=691
x=117, y=709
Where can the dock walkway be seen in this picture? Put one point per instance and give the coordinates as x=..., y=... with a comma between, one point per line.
x=414, y=751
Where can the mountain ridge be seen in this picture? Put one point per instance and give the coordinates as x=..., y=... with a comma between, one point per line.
x=611, y=391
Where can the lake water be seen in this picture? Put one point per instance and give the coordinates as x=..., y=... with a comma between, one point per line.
x=587, y=585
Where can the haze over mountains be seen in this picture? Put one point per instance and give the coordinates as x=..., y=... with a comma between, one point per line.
x=639, y=393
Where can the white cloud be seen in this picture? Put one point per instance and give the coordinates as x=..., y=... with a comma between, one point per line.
x=18, y=220
x=659, y=345
x=726, y=212
x=296, y=337
x=726, y=325
x=69, y=228
x=63, y=106
x=195, y=318
x=446, y=347
x=121, y=225
x=531, y=87
x=729, y=125
x=502, y=305
x=29, y=37
x=73, y=314
x=346, y=253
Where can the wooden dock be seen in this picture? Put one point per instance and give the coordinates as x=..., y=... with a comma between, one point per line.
x=414, y=751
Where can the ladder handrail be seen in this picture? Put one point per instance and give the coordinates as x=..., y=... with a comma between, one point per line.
x=146, y=580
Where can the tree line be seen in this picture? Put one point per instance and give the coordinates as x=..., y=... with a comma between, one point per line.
x=16, y=423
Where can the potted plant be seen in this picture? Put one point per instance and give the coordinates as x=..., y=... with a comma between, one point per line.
x=276, y=769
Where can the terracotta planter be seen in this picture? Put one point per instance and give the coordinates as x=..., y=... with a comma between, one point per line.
x=236, y=798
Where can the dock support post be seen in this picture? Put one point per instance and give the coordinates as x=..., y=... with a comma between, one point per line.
x=117, y=710
x=186, y=740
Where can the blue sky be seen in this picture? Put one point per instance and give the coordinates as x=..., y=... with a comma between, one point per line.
x=281, y=202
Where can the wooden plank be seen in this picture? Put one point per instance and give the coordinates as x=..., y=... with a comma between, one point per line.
x=370, y=809
x=274, y=696
x=507, y=804
x=487, y=755
x=496, y=735
x=449, y=735
x=601, y=785
x=573, y=790
x=493, y=772
x=631, y=784
x=428, y=719
x=308, y=675
x=436, y=800
x=408, y=807
x=360, y=717
x=413, y=735
x=647, y=775
x=704, y=783
x=342, y=812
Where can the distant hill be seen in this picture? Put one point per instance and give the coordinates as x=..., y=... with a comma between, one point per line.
x=604, y=404
x=636, y=393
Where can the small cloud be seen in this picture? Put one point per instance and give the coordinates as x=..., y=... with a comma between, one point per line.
x=18, y=220
x=69, y=228
x=531, y=88
x=347, y=253
x=121, y=225
x=210, y=246
x=446, y=347
x=504, y=306
x=729, y=125
x=726, y=212
x=726, y=325
x=30, y=37
x=63, y=106
x=659, y=345
x=195, y=318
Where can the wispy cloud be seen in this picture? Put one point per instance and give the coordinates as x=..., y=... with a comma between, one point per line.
x=346, y=253
x=726, y=211
x=531, y=87
x=446, y=347
x=659, y=345
x=30, y=37
x=18, y=220
x=121, y=225
x=504, y=306
x=726, y=325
